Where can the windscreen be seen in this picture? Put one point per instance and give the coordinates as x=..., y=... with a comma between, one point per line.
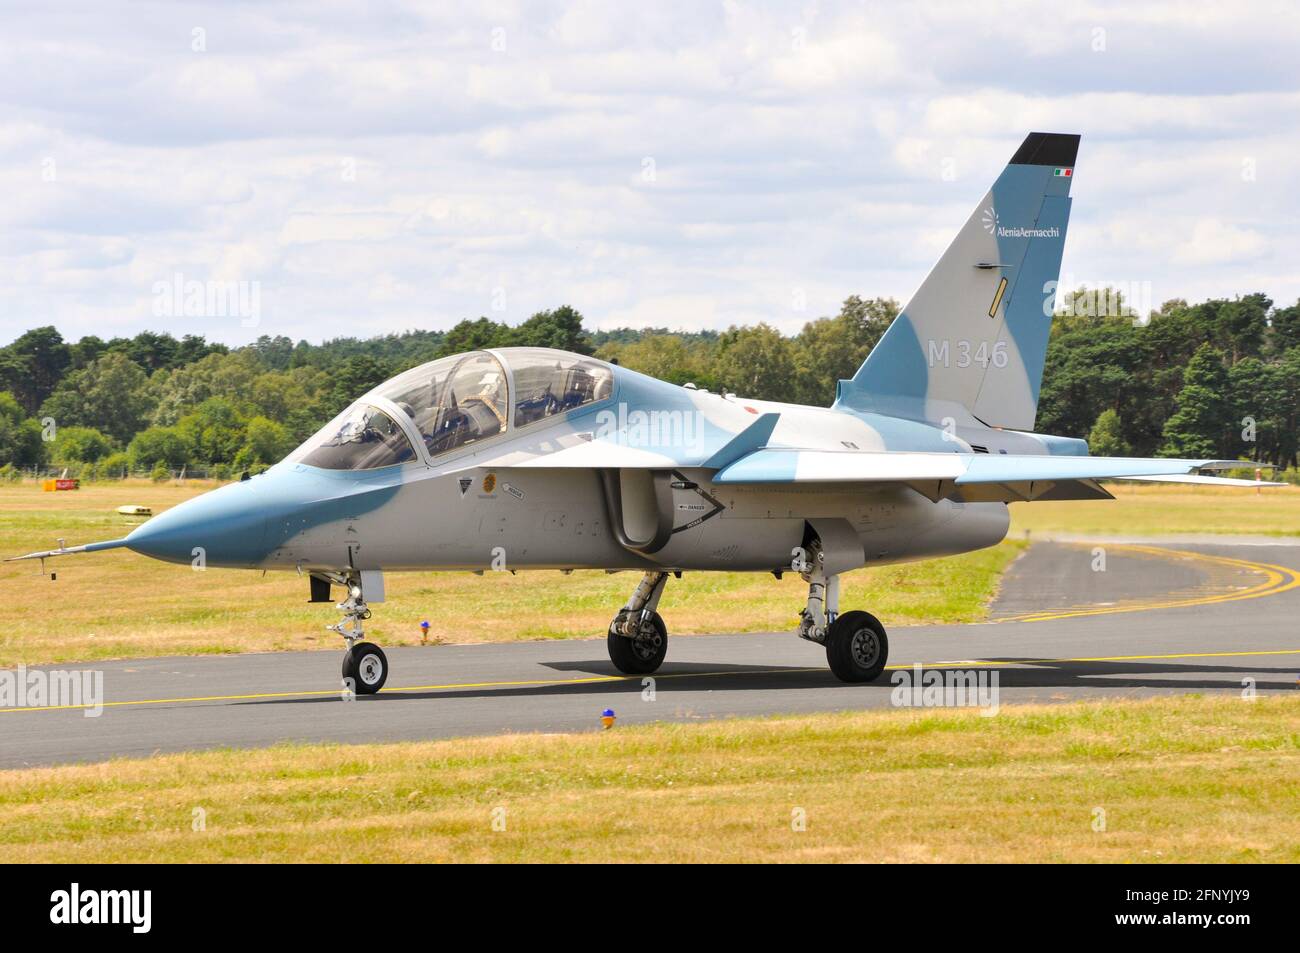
x=361, y=438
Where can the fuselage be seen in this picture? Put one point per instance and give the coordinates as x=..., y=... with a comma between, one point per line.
x=609, y=479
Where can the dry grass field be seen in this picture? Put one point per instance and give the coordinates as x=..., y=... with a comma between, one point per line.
x=1162, y=510
x=1185, y=779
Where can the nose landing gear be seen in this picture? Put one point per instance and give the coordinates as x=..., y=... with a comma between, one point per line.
x=365, y=667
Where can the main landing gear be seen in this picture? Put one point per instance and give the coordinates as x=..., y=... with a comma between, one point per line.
x=638, y=638
x=856, y=645
x=365, y=667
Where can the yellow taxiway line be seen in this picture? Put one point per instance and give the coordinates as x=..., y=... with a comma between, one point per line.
x=597, y=679
x=1276, y=579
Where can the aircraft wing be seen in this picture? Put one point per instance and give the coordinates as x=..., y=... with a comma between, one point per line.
x=971, y=476
x=619, y=452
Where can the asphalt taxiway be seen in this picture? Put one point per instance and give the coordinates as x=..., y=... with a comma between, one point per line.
x=1073, y=621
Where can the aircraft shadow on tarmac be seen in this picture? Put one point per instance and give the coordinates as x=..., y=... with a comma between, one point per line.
x=1013, y=673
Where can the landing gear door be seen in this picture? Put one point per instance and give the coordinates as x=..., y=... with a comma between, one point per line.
x=841, y=547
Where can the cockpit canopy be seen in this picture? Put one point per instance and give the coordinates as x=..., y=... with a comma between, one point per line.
x=453, y=402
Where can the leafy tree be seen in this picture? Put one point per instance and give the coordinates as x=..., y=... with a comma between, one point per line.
x=34, y=364
x=1288, y=426
x=832, y=349
x=1089, y=369
x=228, y=376
x=756, y=362
x=152, y=351
x=1242, y=324
x=86, y=350
x=80, y=445
x=20, y=436
x=109, y=394
x=561, y=328
x=665, y=356
x=1107, y=437
x=1200, y=426
x=159, y=445
x=275, y=353
x=266, y=442
x=1284, y=329
x=1088, y=307
x=114, y=466
x=473, y=336
x=193, y=347
x=354, y=377
x=214, y=431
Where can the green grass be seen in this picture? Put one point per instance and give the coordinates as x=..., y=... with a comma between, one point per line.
x=1184, y=779
x=118, y=604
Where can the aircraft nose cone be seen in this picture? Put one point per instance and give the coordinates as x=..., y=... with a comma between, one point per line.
x=225, y=527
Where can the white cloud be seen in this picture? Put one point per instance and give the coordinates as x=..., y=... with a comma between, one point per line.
x=377, y=171
x=1215, y=242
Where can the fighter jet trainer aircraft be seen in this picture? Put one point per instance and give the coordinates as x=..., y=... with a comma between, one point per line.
x=527, y=458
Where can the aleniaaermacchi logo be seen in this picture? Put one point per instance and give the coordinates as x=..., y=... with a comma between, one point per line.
x=989, y=219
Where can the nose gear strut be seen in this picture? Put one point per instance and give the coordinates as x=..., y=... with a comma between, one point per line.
x=365, y=667
x=354, y=609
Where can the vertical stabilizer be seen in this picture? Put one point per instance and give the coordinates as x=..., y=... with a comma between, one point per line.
x=974, y=336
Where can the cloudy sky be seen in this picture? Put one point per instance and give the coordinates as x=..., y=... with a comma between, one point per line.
x=387, y=166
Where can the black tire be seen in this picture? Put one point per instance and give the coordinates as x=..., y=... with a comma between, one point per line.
x=640, y=654
x=857, y=647
x=365, y=668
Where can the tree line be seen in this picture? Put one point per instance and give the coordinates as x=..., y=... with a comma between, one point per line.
x=1220, y=378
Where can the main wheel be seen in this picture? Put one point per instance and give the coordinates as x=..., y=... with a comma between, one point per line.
x=365, y=668
x=642, y=653
x=857, y=647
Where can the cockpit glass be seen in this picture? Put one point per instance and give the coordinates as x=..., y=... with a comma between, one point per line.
x=454, y=401
x=547, y=384
x=361, y=438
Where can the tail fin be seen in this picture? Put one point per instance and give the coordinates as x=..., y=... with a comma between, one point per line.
x=974, y=336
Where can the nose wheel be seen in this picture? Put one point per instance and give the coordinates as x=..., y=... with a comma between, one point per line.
x=365, y=668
